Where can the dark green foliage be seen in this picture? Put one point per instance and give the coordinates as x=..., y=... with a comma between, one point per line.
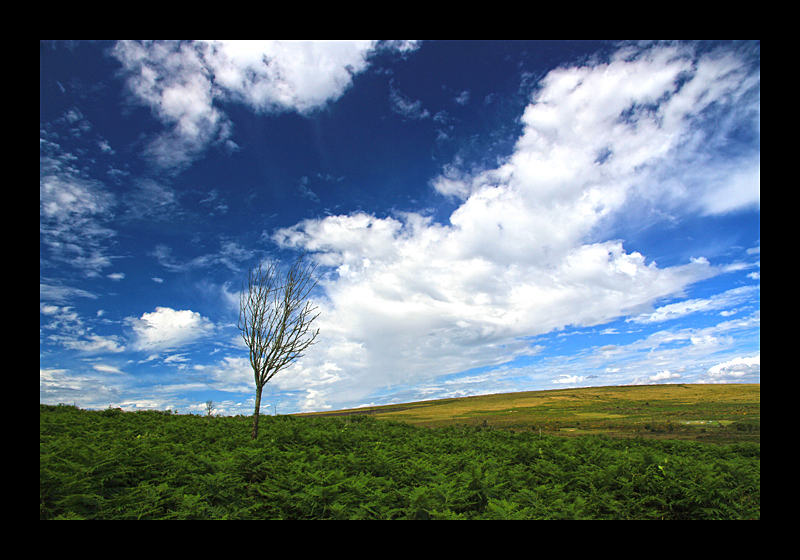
x=146, y=465
x=747, y=426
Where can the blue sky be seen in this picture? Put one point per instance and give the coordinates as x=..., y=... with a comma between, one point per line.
x=487, y=216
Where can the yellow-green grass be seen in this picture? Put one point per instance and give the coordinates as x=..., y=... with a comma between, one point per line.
x=681, y=411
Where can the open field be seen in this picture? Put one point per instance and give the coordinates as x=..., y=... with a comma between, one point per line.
x=729, y=412
x=112, y=464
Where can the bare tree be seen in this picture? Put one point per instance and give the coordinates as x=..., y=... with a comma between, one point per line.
x=209, y=407
x=275, y=319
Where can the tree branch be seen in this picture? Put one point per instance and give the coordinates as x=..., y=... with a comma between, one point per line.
x=275, y=318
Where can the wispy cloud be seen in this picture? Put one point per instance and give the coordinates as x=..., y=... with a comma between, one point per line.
x=56, y=293
x=68, y=329
x=691, y=355
x=151, y=199
x=462, y=98
x=230, y=255
x=91, y=389
x=678, y=310
x=405, y=106
x=74, y=212
x=106, y=368
x=216, y=202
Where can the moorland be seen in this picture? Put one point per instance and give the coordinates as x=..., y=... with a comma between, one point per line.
x=658, y=452
x=706, y=412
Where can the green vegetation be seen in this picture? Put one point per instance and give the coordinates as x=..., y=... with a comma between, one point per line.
x=153, y=465
x=713, y=413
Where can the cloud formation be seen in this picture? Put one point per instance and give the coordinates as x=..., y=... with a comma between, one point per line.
x=166, y=329
x=523, y=254
x=542, y=221
x=183, y=83
x=736, y=368
x=66, y=328
x=74, y=212
x=672, y=311
x=405, y=106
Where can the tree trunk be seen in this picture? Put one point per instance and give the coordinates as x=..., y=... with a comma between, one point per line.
x=257, y=413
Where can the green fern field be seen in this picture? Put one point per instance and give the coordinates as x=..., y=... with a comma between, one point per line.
x=152, y=465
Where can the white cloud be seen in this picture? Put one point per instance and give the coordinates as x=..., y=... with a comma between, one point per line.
x=675, y=355
x=730, y=298
x=95, y=387
x=411, y=299
x=569, y=379
x=663, y=376
x=69, y=330
x=166, y=328
x=736, y=188
x=234, y=374
x=405, y=106
x=171, y=79
x=90, y=343
x=61, y=294
x=73, y=212
x=105, y=368
x=736, y=368
x=414, y=300
x=287, y=75
x=180, y=81
x=230, y=254
x=151, y=200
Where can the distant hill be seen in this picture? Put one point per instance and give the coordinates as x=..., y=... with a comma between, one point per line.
x=727, y=411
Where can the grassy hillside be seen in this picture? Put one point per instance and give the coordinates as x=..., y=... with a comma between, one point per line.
x=707, y=412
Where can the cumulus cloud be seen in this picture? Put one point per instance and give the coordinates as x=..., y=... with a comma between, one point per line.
x=655, y=123
x=286, y=75
x=180, y=82
x=522, y=255
x=736, y=368
x=570, y=379
x=659, y=377
x=167, y=328
x=171, y=79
